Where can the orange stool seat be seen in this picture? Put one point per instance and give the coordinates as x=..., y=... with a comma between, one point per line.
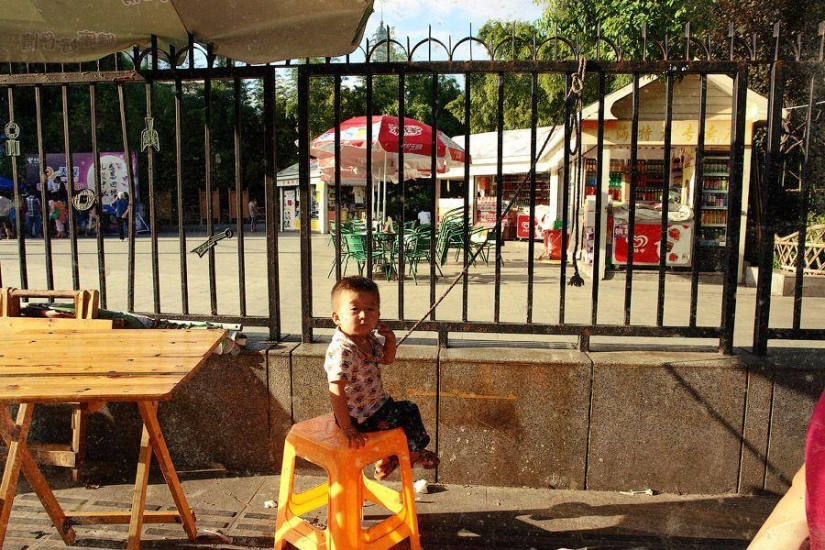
x=321, y=442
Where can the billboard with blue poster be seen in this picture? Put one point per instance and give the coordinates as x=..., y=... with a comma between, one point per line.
x=114, y=178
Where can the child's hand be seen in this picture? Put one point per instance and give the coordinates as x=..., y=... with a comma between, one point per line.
x=355, y=438
x=384, y=330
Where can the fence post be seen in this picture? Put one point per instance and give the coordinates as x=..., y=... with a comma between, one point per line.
x=769, y=182
x=272, y=208
x=303, y=186
x=737, y=149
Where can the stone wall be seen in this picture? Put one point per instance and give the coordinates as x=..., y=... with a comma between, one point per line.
x=671, y=421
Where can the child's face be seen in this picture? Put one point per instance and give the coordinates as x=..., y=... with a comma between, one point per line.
x=356, y=313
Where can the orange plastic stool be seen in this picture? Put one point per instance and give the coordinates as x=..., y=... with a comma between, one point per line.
x=321, y=442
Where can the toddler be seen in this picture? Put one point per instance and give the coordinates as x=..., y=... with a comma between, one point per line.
x=353, y=366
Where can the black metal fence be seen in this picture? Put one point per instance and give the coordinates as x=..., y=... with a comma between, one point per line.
x=264, y=282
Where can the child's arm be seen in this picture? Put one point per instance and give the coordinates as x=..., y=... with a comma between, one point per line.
x=389, y=343
x=339, y=408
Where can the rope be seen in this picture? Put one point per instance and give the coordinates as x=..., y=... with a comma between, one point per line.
x=578, y=83
x=574, y=96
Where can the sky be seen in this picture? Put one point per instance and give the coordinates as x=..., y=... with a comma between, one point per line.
x=447, y=17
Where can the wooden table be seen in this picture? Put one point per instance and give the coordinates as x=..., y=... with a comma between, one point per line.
x=65, y=366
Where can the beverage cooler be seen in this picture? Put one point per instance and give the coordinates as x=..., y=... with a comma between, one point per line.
x=646, y=240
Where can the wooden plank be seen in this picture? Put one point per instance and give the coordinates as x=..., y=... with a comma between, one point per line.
x=110, y=518
x=139, y=495
x=134, y=339
x=67, y=356
x=38, y=484
x=150, y=421
x=33, y=324
x=55, y=389
x=23, y=366
x=15, y=437
x=54, y=454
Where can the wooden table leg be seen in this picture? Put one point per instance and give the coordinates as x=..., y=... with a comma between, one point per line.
x=11, y=431
x=148, y=410
x=17, y=434
x=139, y=495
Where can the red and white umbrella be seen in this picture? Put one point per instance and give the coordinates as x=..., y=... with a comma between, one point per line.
x=418, y=152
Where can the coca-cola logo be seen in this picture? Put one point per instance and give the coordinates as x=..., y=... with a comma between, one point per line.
x=639, y=242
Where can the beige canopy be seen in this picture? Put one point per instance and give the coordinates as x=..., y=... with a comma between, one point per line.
x=253, y=31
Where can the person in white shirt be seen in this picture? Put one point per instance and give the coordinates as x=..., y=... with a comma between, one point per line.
x=424, y=218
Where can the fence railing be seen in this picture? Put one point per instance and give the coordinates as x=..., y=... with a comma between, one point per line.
x=221, y=129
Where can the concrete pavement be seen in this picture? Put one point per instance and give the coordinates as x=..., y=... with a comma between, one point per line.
x=416, y=299
x=232, y=514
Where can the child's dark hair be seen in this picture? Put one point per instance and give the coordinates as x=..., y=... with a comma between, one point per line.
x=355, y=283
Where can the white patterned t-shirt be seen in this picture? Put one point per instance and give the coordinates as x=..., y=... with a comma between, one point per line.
x=361, y=371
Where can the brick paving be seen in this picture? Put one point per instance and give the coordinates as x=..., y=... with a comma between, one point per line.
x=231, y=514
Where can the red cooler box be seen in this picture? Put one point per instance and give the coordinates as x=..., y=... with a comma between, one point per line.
x=646, y=238
x=523, y=228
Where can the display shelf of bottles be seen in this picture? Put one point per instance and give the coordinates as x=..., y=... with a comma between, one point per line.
x=618, y=168
x=590, y=177
x=714, y=200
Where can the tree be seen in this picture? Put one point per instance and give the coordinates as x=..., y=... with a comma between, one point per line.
x=622, y=21
x=509, y=42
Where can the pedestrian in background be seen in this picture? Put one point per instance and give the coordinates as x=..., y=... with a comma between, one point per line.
x=253, y=215
x=33, y=217
x=6, y=227
x=121, y=206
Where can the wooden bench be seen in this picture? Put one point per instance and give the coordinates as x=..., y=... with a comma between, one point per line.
x=73, y=454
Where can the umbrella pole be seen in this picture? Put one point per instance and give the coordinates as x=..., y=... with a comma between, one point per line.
x=384, y=201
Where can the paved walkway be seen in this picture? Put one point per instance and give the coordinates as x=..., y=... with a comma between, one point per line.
x=232, y=514
x=416, y=298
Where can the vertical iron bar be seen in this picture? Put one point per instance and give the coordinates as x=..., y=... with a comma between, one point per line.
x=698, y=186
x=69, y=223
x=337, y=126
x=805, y=203
x=239, y=205
x=737, y=148
x=436, y=185
x=634, y=180
x=207, y=153
x=18, y=203
x=499, y=195
x=402, y=107
x=98, y=187
x=766, y=231
x=597, y=230
x=130, y=280
x=565, y=202
x=465, y=289
x=184, y=276
x=531, y=246
x=44, y=212
x=272, y=208
x=663, y=233
x=153, y=233
x=370, y=176
x=303, y=184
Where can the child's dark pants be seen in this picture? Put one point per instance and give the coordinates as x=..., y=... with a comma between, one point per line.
x=398, y=414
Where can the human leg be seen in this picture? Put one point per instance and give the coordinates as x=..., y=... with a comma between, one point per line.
x=404, y=415
x=400, y=414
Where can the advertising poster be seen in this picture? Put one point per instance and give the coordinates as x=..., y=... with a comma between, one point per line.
x=114, y=176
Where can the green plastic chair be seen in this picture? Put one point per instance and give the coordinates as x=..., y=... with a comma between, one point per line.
x=416, y=249
x=357, y=250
